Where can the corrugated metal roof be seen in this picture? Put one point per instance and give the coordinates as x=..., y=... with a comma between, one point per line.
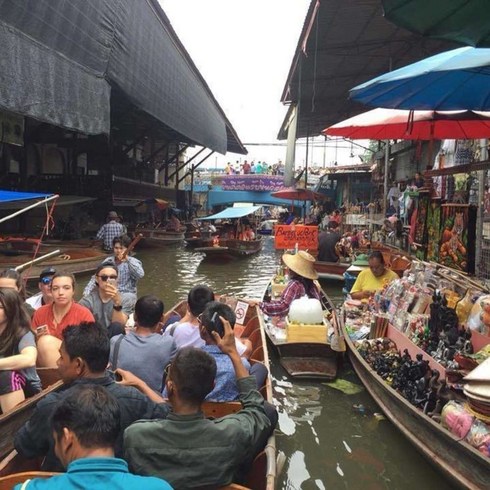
x=344, y=43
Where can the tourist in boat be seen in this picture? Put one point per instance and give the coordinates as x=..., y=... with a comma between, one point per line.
x=83, y=358
x=11, y=279
x=110, y=307
x=18, y=352
x=110, y=230
x=327, y=243
x=86, y=425
x=144, y=342
x=371, y=280
x=44, y=297
x=129, y=269
x=185, y=331
x=49, y=321
x=225, y=387
x=301, y=276
x=227, y=442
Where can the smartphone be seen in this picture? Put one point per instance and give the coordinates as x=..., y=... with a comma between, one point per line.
x=217, y=324
x=115, y=376
x=112, y=282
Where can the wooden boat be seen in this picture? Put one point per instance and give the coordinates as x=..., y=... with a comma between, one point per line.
x=156, y=237
x=307, y=355
x=232, y=248
x=461, y=463
x=262, y=474
x=12, y=421
x=74, y=260
x=331, y=270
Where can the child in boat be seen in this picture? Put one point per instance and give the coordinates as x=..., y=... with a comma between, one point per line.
x=18, y=353
x=302, y=274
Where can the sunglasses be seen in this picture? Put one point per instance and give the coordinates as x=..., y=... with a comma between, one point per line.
x=105, y=278
x=46, y=280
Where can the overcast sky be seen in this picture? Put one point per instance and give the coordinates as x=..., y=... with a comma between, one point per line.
x=244, y=50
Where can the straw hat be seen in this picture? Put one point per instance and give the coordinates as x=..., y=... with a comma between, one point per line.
x=301, y=263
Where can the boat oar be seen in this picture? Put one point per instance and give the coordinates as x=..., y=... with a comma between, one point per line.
x=54, y=253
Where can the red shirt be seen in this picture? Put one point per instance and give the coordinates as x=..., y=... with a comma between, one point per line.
x=75, y=315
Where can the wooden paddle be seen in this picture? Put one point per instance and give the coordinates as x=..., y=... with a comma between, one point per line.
x=133, y=244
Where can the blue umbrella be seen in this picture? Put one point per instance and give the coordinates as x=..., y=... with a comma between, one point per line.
x=453, y=80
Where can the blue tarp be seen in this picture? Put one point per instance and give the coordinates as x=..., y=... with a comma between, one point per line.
x=9, y=196
x=230, y=213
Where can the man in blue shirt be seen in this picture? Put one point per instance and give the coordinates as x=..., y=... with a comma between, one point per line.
x=85, y=426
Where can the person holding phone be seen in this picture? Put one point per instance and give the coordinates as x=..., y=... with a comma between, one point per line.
x=49, y=321
x=110, y=307
x=129, y=269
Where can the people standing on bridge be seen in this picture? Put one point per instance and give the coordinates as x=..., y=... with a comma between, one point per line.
x=110, y=230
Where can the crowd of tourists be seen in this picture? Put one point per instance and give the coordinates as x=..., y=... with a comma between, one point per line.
x=102, y=431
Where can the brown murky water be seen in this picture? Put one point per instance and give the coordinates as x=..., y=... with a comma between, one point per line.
x=328, y=444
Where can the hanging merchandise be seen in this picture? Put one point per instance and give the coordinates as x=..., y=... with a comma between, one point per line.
x=457, y=244
x=433, y=230
x=421, y=225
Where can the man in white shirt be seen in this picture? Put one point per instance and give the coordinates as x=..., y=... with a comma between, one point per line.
x=44, y=297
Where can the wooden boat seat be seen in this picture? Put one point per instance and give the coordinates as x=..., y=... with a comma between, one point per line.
x=48, y=376
x=220, y=409
x=8, y=482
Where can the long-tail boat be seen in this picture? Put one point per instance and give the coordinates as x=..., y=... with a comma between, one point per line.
x=455, y=458
x=304, y=350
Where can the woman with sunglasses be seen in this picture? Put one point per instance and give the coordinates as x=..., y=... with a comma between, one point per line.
x=18, y=352
x=49, y=321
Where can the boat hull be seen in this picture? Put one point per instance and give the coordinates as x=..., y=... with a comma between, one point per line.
x=155, y=238
x=72, y=260
x=333, y=271
x=232, y=248
x=307, y=360
x=457, y=460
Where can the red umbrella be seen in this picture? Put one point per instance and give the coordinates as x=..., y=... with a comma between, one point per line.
x=297, y=194
x=387, y=124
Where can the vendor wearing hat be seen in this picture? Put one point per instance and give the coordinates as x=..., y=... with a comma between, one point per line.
x=301, y=274
x=110, y=230
x=370, y=280
x=44, y=297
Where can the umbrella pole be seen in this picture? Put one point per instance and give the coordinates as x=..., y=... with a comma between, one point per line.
x=385, y=183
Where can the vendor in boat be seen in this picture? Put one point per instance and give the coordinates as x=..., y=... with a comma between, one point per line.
x=110, y=230
x=370, y=280
x=301, y=276
x=327, y=243
x=173, y=223
x=49, y=321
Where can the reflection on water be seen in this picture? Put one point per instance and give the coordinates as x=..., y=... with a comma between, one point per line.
x=328, y=444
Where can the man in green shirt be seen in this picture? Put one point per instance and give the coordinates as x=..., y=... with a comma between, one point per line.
x=187, y=449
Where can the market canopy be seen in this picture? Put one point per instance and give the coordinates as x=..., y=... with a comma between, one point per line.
x=10, y=196
x=234, y=212
x=342, y=44
x=453, y=80
x=61, y=61
x=462, y=21
x=390, y=124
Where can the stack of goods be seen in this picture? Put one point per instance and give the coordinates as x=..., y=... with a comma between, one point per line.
x=477, y=390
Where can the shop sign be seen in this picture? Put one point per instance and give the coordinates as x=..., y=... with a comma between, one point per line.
x=288, y=236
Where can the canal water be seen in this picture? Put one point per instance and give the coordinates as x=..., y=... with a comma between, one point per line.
x=328, y=440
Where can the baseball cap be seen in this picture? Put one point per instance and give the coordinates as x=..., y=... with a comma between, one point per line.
x=49, y=271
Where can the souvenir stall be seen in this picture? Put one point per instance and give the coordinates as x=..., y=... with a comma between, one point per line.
x=426, y=335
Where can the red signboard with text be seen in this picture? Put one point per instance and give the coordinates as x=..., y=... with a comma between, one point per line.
x=287, y=236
